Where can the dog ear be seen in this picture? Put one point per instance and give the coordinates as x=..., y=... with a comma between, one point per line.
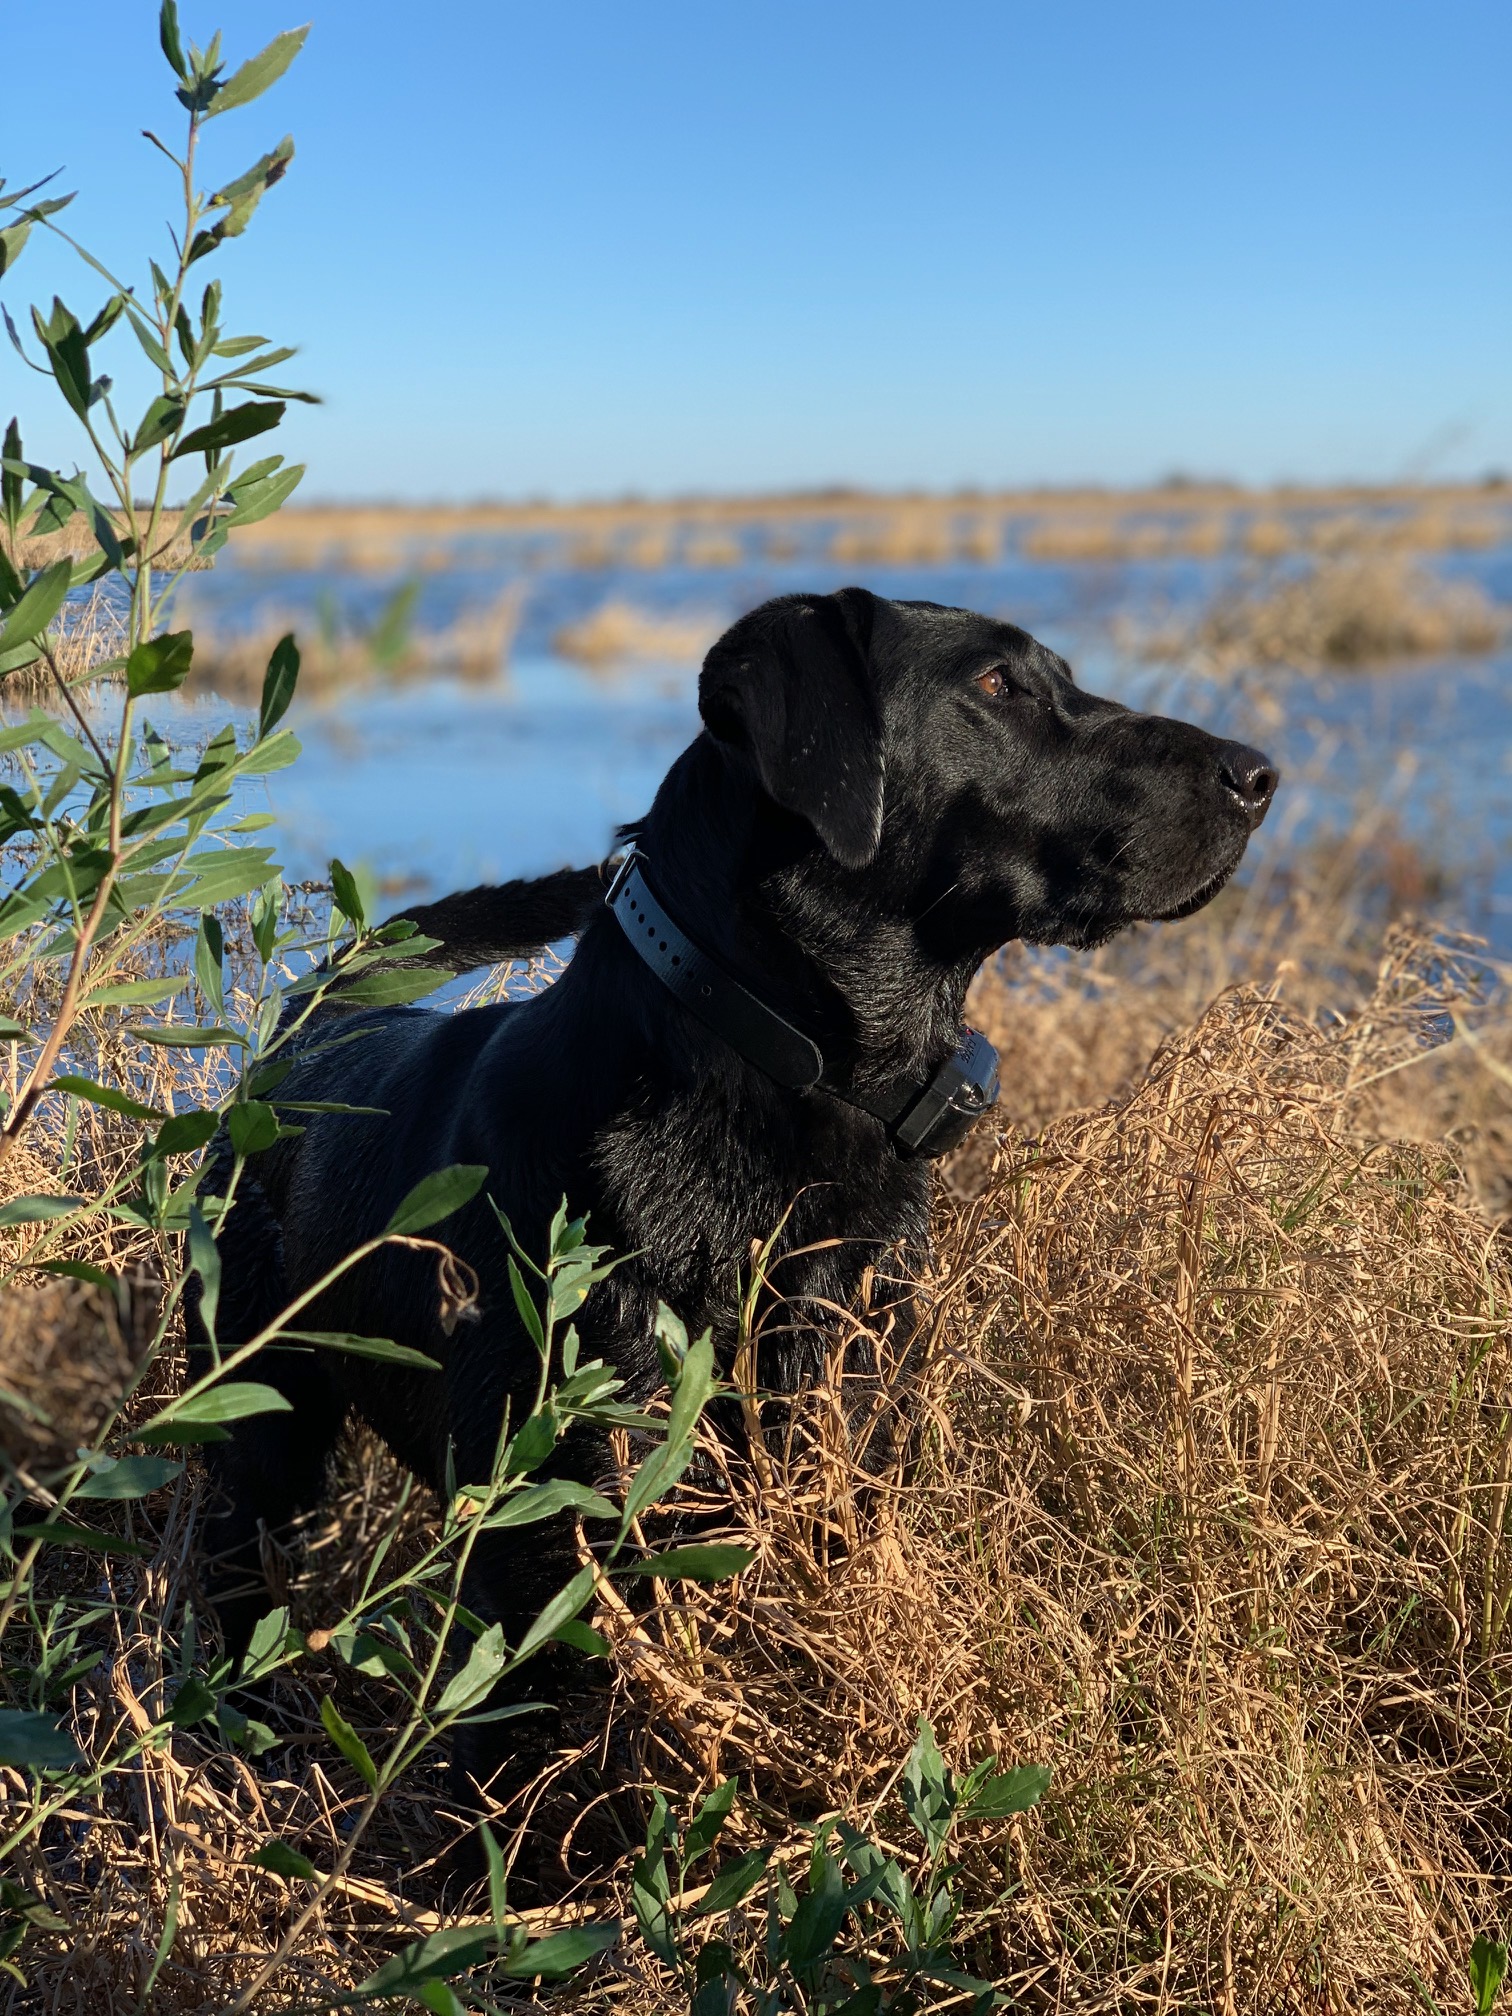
x=791, y=684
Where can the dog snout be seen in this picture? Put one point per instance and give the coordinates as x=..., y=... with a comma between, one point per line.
x=1248, y=777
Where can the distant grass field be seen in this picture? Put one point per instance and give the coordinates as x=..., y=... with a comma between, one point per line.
x=894, y=529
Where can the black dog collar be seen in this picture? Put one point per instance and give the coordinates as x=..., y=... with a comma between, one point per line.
x=922, y=1116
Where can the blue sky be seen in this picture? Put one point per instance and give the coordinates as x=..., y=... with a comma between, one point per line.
x=584, y=249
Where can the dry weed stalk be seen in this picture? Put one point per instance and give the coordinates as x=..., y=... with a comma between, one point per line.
x=1207, y=1509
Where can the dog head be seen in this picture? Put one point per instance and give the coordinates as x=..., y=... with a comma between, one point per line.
x=951, y=766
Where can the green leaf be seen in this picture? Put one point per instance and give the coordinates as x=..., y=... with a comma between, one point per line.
x=155, y=353
x=209, y=961
x=498, y=1899
x=391, y=990
x=817, y=1921
x=64, y=1533
x=264, y=913
x=252, y=182
x=104, y=1095
x=161, y=665
x=345, y=893
x=1009, y=1792
x=12, y=243
x=437, y=1196
x=67, y=353
x=76, y=1270
x=237, y=423
x=106, y=320
x=276, y=753
x=529, y=1315
x=690, y=1394
x=733, y=1884
x=231, y=1402
x=240, y=200
x=707, y=1823
x=24, y=732
x=168, y=37
x=284, y=1861
x=649, y=1889
x=381, y=1348
x=181, y=1036
x=438, y=1997
x=266, y=1644
x=10, y=479
x=278, y=684
x=349, y=1743
x=129, y=1477
x=163, y=418
x=134, y=991
x=534, y=1442
x=563, y=1606
x=205, y=1261
x=559, y=1953
x=253, y=1126
x=194, y=1702
x=542, y=1501
x=183, y=1134
x=43, y=598
x=258, y=73
x=1488, y=1967
x=437, y=1957
x=36, y=1742
x=34, y=1210
x=220, y=873
x=583, y=1638
x=254, y=501
x=475, y=1680
x=713, y=1563
x=928, y=1789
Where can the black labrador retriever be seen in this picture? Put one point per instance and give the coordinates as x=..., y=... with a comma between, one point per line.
x=761, y=1028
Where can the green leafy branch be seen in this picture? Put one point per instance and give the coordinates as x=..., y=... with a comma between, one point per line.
x=87, y=860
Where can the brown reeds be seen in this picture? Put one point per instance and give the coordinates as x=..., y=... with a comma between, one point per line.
x=475, y=646
x=1352, y=608
x=618, y=631
x=1206, y=1510
x=903, y=530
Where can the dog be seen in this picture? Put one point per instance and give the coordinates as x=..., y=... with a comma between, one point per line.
x=760, y=1029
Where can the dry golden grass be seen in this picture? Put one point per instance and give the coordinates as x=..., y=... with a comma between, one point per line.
x=904, y=529
x=475, y=646
x=1349, y=608
x=1207, y=1511
x=87, y=635
x=617, y=631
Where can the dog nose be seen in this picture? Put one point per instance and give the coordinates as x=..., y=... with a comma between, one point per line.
x=1251, y=777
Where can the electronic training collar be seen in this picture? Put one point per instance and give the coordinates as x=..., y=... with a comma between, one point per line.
x=923, y=1116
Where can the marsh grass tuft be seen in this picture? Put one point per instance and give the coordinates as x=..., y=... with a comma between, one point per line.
x=1348, y=607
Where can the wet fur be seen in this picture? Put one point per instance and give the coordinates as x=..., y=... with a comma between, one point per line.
x=858, y=826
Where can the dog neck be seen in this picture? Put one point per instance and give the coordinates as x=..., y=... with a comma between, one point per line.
x=753, y=889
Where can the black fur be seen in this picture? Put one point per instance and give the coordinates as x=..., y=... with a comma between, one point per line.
x=859, y=826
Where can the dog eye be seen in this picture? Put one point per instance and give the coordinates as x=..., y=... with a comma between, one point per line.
x=992, y=682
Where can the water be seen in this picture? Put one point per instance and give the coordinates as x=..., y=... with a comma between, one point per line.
x=438, y=784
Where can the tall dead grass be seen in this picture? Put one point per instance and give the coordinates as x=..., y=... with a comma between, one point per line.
x=476, y=646
x=1207, y=1510
x=1349, y=608
x=910, y=529
x=618, y=631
